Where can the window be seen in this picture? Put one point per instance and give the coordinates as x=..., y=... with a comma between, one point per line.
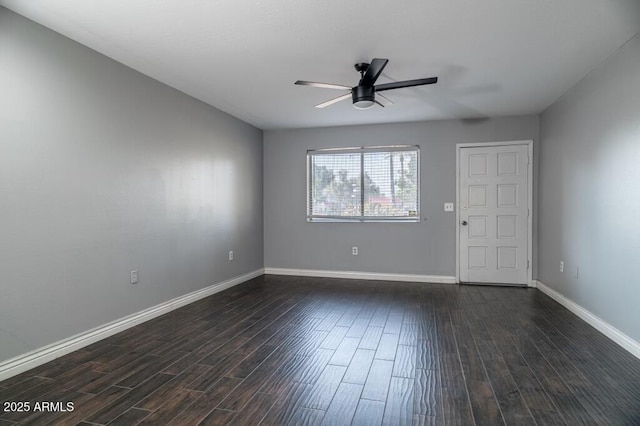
x=364, y=184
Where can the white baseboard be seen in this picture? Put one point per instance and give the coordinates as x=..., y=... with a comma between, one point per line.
x=55, y=350
x=358, y=275
x=626, y=342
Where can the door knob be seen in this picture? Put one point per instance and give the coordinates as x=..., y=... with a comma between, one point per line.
x=464, y=223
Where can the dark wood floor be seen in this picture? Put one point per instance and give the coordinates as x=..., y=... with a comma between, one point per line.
x=288, y=350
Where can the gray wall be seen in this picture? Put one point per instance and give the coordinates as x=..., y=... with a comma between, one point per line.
x=426, y=248
x=589, y=198
x=103, y=170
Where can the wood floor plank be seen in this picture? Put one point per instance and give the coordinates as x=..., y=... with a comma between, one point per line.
x=288, y=402
x=252, y=361
x=343, y=405
x=73, y=360
x=428, y=393
x=334, y=338
x=228, y=345
x=92, y=405
x=422, y=420
x=255, y=410
x=218, y=417
x=168, y=390
x=428, y=325
x=412, y=313
x=280, y=350
x=359, y=367
x=400, y=399
x=132, y=416
x=405, y=362
x=512, y=405
x=242, y=394
x=133, y=366
x=451, y=371
x=307, y=417
x=388, y=346
x=446, y=341
x=312, y=367
x=289, y=372
x=456, y=407
x=80, y=380
x=146, y=370
x=393, y=324
x=207, y=402
x=472, y=366
x=358, y=328
x=231, y=352
x=310, y=342
x=35, y=372
x=34, y=393
x=377, y=385
x=349, y=316
x=409, y=334
x=484, y=405
x=371, y=338
x=330, y=321
x=325, y=388
x=533, y=393
x=369, y=413
x=345, y=351
x=174, y=405
x=17, y=391
x=379, y=318
x=130, y=399
x=120, y=359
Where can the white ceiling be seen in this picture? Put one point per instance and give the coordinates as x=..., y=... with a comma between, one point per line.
x=493, y=57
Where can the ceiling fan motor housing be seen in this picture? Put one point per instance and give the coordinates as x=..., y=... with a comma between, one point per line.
x=363, y=96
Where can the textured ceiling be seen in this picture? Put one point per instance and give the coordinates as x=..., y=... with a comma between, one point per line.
x=493, y=57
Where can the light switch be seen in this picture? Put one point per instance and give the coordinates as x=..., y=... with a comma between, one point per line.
x=448, y=207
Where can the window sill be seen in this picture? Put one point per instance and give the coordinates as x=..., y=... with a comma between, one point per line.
x=333, y=220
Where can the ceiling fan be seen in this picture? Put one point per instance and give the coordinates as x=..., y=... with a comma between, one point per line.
x=364, y=94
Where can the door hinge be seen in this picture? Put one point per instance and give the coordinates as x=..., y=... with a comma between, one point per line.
x=527, y=264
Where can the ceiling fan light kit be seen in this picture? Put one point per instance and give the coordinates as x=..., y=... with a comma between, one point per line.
x=363, y=95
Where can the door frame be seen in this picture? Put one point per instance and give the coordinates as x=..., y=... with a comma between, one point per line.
x=529, y=144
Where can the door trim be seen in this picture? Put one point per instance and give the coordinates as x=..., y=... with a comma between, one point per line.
x=529, y=144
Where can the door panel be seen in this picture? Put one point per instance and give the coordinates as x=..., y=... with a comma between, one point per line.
x=494, y=195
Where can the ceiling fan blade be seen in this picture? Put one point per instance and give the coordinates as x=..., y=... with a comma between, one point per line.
x=373, y=72
x=383, y=100
x=333, y=101
x=406, y=83
x=323, y=85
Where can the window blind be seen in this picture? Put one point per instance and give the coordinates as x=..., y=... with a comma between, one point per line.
x=363, y=184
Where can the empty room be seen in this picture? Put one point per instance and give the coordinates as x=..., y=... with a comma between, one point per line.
x=319, y=213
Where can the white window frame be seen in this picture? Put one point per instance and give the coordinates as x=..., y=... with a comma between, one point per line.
x=361, y=218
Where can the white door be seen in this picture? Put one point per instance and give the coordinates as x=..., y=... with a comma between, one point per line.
x=493, y=215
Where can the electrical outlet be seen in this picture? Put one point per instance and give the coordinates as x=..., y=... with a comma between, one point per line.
x=448, y=207
x=231, y=255
x=562, y=266
x=134, y=276
x=354, y=251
